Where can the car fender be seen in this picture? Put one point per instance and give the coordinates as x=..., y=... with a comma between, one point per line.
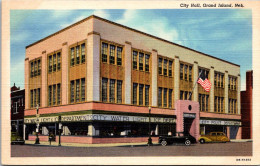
x=205, y=138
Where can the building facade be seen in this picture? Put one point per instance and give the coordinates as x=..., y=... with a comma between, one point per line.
x=101, y=78
x=17, y=109
x=246, y=107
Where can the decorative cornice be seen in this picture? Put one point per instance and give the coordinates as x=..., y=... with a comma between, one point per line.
x=238, y=75
x=26, y=59
x=212, y=67
x=127, y=42
x=43, y=52
x=226, y=71
x=177, y=57
x=65, y=43
x=93, y=33
x=195, y=62
x=154, y=50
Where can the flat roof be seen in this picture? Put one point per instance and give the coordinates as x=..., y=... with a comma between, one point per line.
x=120, y=25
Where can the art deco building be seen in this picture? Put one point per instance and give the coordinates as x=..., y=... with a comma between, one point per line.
x=101, y=77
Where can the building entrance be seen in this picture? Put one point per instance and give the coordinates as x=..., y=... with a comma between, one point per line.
x=187, y=125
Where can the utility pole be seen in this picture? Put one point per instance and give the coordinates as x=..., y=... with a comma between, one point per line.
x=37, y=140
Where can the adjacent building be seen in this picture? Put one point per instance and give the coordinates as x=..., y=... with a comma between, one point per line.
x=246, y=107
x=17, y=109
x=101, y=78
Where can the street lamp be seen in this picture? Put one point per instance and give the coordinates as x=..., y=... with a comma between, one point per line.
x=37, y=140
x=60, y=125
x=150, y=139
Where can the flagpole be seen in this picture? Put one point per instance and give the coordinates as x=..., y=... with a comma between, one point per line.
x=195, y=85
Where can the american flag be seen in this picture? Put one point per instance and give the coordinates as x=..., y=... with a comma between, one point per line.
x=204, y=82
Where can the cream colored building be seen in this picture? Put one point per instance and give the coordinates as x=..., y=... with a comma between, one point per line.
x=101, y=77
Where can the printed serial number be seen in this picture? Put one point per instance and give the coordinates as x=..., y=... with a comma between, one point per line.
x=243, y=159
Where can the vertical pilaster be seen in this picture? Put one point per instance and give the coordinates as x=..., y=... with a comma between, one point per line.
x=93, y=66
x=226, y=92
x=211, y=93
x=128, y=69
x=154, y=77
x=64, y=74
x=24, y=131
x=195, y=77
x=176, y=78
x=26, y=82
x=238, y=95
x=44, y=80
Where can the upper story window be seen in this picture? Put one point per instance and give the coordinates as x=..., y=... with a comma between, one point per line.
x=115, y=54
x=35, y=97
x=54, y=62
x=160, y=66
x=204, y=72
x=170, y=69
x=232, y=83
x=219, y=79
x=142, y=62
x=140, y=94
x=77, y=90
x=111, y=90
x=165, y=66
x=35, y=67
x=77, y=54
x=186, y=72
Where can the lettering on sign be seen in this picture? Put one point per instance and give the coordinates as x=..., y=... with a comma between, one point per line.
x=220, y=122
x=101, y=117
x=185, y=115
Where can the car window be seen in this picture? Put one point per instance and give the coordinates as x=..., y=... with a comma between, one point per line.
x=214, y=134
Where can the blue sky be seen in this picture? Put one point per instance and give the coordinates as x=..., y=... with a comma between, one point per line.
x=226, y=34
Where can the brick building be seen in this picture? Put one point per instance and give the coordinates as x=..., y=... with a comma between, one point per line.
x=101, y=77
x=246, y=107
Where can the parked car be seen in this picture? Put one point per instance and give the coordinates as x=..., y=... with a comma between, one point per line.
x=179, y=138
x=214, y=137
x=16, y=139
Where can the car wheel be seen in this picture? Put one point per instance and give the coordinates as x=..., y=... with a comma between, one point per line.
x=164, y=143
x=202, y=141
x=187, y=142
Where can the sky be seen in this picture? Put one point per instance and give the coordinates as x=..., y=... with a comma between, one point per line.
x=222, y=33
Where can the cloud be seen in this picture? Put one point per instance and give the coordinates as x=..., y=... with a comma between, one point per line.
x=157, y=26
x=59, y=14
x=101, y=13
x=17, y=74
x=17, y=37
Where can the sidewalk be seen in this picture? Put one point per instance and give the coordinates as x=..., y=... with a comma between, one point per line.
x=44, y=143
x=241, y=140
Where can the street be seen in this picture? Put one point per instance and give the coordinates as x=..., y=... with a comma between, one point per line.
x=210, y=149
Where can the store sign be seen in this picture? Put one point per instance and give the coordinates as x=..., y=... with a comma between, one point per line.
x=101, y=117
x=186, y=115
x=220, y=122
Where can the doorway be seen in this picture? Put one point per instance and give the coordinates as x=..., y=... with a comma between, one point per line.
x=187, y=125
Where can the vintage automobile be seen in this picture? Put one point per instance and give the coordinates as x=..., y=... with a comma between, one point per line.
x=178, y=138
x=16, y=139
x=214, y=137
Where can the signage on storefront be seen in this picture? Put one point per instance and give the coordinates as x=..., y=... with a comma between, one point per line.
x=220, y=122
x=101, y=117
x=187, y=115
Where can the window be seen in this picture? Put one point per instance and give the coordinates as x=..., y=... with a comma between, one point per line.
x=181, y=95
x=185, y=72
x=54, y=95
x=50, y=95
x=34, y=97
x=50, y=64
x=119, y=56
x=83, y=53
x=112, y=91
x=77, y=90
x=135, y=93
x=119, y=91
x=170, y=98
x=170, y=69
x=82, y=89
x=215, y=79
x=112, y=54
x=77, y=55
x=54, y=62
x=147, y=87
x=181, y=71
x=72, y=58
x=58, y=61
x=165, y=97
x=219, y=104
x=203, y=102
x=141, y=61
x=190, y=73
x=104, y=52
x=31, y=97
x=134, y=60
x=160, y=66
x=39, y=67
x=58, y=94
x=222, y=80
x=147, y=57
x=160, y=97
x=38, y=97
x=32, y=69
x=104, y=89
x=35, y=68
x=72, y=92
x=207, y=103
x=219, y=80
x=165, y=67
x=141, y=89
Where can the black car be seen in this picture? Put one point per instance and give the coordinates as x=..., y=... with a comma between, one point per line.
x=179, y=138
